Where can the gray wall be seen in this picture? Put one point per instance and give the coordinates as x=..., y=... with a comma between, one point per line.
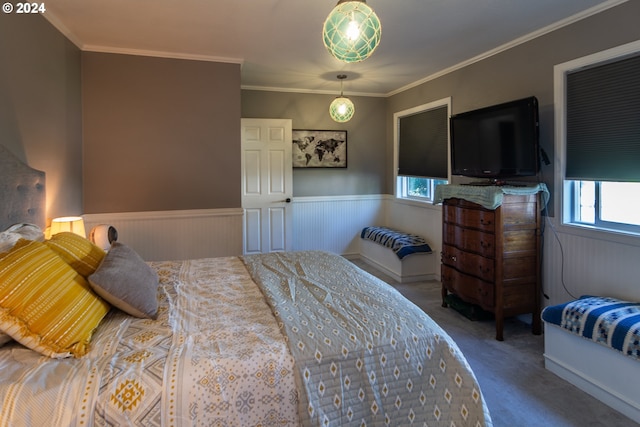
x=40, y=110
x=523, y=71
x=165, y=134
x=365, y=140
x=160, y=134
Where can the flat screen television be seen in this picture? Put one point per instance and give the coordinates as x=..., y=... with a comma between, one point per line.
x=496, y=142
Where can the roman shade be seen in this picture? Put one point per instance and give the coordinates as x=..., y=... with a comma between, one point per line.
x=422, y=144
x=603, y=122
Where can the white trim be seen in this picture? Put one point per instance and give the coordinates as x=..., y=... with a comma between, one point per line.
x=593, y=233
x=412, y=268
x=424, y=204
x=313, y=91
x=161, y=54
x=513, y=43
x=409, y=112
x=605, y=373
x=175, y=214
x=55, y=21
x=348, y=198
x=58, y=25
x=560, y=72
x=178, y=234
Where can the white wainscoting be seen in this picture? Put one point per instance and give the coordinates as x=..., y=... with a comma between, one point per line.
x=319, y=223
x=423, y=219
x=176, y=235
x=583, y=265
x=334, y=223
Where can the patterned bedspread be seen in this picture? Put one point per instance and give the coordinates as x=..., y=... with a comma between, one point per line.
x=365, y=356
x=607, y=321
x=402, y=244
x=343, y=348
x=214, y=357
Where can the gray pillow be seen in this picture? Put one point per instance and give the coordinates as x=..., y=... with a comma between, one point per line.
x=127, y=282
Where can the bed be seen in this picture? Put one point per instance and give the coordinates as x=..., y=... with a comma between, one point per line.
x=281, y=339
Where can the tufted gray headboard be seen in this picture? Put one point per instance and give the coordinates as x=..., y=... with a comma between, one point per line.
x=22, y=192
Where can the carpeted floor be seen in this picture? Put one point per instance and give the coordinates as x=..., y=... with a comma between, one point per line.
x=519, y=391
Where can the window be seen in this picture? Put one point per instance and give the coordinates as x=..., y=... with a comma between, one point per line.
x=417, y=188
x=606, y=205
x=421, y=138
x=598, y=137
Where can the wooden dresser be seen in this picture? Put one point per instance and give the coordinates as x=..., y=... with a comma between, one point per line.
x=491, y=257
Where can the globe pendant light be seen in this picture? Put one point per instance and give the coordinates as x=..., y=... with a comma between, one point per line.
x=341, y=109
x=352, y=31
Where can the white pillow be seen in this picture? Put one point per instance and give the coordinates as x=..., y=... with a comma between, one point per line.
x=11, y=235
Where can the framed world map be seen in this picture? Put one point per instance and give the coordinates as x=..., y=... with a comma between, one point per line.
x=319, y=148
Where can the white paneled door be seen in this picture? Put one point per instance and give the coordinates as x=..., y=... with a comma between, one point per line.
x=267, y=179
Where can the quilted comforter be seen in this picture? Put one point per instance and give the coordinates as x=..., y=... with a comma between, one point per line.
x=309, y=340
x=364, y=354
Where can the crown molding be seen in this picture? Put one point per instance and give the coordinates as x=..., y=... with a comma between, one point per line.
x=513, y=43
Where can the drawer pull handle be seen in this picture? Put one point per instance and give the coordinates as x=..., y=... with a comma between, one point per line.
x=453, y=258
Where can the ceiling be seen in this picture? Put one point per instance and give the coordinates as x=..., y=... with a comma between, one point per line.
x=279, y=45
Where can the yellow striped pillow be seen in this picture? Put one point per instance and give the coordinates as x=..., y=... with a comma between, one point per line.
x=44, y=303
x=78, y=252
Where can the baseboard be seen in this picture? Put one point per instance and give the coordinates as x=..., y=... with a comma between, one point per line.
x=400, y=279
x=605, y=374
x=594, y=388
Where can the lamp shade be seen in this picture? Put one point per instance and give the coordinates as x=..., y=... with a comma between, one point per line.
x=74, y=224
x=341, y=109
x=352, y=31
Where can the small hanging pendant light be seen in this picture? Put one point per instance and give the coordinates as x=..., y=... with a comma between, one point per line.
x=352, y=31
x=341, y=109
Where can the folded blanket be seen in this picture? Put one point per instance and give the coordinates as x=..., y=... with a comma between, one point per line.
x=402, y=244
x=489, y=197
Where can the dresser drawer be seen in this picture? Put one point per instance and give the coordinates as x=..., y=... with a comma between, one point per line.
x=469, y=240
x=472, y=264
x=480, y=219
x=468, y=214
x=469, y=288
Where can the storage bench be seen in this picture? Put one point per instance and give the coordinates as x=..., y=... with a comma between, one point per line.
x=594, y=343
x=403, y=256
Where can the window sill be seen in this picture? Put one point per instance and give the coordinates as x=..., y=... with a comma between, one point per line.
x=595, y=233
x=420, y=203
